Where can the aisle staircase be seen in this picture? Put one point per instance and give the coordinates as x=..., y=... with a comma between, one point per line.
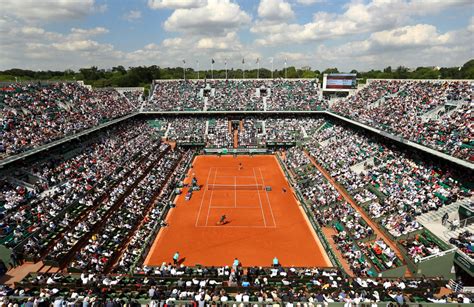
x=432, y=220
x=236, y=138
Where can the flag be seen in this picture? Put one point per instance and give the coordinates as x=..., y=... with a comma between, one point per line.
x=225, y=62
x=271, y=60
x=184, y=61
x=286, y=60
x=212, y=61
x=257, y=61
x=243, y=60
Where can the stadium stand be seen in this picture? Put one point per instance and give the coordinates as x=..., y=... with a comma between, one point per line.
x=434, y=113
x=93, y=208
x=34, y=114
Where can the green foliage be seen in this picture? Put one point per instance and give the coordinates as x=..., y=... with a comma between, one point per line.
x=120, y=76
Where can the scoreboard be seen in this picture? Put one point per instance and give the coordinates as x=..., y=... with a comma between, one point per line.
x=340, y=81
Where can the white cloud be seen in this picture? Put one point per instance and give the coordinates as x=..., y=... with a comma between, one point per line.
x=293, y=56
x=217, y=16
x=229, y=42
x=412, y=46
x=49, y=10
x=470, y=27
x=79, y=45
x=175, y=4
x=309, y=2
x=35, y=48
x=410, y=36
x=173, y=42
x=358, y=18
x=78, y=32
x=275, y=10
x=133, y=15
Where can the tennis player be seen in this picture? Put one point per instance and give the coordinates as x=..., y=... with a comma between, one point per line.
x=223, y=220
x=240, y=166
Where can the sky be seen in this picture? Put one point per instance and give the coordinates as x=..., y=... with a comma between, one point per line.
x=357, y=34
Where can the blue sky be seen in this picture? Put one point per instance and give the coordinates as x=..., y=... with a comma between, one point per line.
x=61, y=34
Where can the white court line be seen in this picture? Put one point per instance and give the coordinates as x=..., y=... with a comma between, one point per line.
x=268, y=199
x=235, y=176
x=235, y=192
x=243, y=226
x=202, y=200
x=210, y=200
x=217, y=207
x=259, y=199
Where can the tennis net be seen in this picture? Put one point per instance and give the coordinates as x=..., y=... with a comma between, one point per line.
x=235, y=187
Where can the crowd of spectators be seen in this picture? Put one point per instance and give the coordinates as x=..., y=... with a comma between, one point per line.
x=354, y=238
x=140, y=242
x=87, y=223
x=420, y=246
x=72, y=184
x=310, y=182
x=33, y=114
x=187, y=129
x=295, y=95
x=134, y=96
x=418, y=111
x=220, y=285
x=104, y=243
x=219, y=133
x=465, y=242
x=177, y=96
x=283, y=130
x=252, y=133
x=406, y=187
x=237, y=95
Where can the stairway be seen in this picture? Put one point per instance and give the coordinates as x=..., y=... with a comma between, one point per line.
x=236, y=138
x=436, y=216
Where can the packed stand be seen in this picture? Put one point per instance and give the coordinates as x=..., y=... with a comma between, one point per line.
x=283, y=130
x=135, y=97
x=404, y=108
x=176, y=285
x=219, y=133
x=251, y=133
x=98, y=254
x=177, y=96
x=34, y=114
x=140, y=243
x=235, y=95
x=104, y=207
x=294, y=95
x=465, y=242
x=187, y=130
x=73, y=184
x=405, y=187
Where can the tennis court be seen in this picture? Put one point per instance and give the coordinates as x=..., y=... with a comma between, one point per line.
x=263, y=218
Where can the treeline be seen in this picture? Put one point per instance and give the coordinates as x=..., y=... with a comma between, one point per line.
x=119, y=76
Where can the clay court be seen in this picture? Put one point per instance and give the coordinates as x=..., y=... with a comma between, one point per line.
x=260, y=224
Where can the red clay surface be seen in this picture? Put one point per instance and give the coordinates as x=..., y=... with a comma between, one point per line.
x=261, y=224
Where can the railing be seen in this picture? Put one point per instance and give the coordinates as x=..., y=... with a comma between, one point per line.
x=440, y=254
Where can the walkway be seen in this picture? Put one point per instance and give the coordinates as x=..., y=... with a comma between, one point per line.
x=329, y=233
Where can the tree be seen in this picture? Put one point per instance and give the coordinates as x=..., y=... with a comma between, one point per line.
x=120, y=69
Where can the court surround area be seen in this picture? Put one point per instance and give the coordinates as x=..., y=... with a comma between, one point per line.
x=264, y=219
